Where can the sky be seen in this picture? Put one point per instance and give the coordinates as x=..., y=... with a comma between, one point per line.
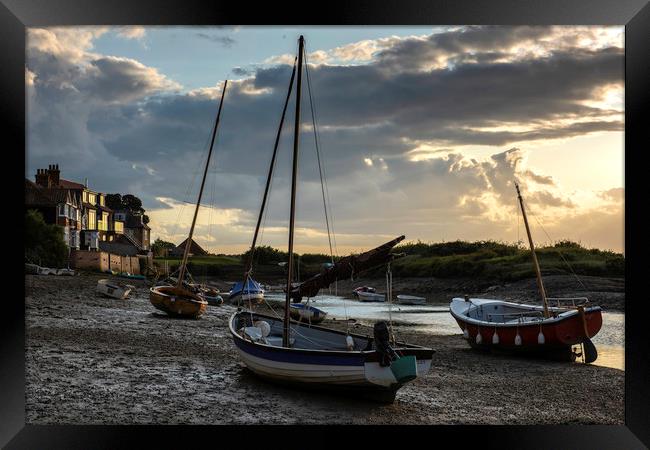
x=422, y=130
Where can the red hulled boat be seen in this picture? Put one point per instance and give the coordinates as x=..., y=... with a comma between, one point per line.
x=514, y=326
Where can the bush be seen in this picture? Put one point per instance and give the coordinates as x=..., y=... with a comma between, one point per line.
x=44, y=243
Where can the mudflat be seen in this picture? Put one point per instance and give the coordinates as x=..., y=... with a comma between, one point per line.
x=97, y=360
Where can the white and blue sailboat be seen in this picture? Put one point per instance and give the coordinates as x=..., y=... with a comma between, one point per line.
x=302, y=354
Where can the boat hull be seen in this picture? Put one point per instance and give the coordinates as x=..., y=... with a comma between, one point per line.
x=568, y=328
x=307, y=314
x=357, y=371
x=411, y=300
x=177, y=302
x=371, y=297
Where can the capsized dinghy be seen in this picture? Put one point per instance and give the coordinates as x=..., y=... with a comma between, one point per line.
x=114, y=290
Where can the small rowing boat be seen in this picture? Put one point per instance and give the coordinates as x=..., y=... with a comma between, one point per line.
x=371, y=297
x=114, y=290
x=306, y=313
x=411, y=300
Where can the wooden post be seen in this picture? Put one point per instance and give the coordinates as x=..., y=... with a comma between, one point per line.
x=538, y=273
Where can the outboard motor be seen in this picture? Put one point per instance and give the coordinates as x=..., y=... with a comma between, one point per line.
x=382, y=344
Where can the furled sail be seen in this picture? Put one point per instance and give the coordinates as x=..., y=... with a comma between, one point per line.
x=344, y=268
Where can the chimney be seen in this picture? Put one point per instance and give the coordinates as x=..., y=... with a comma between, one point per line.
x=86, y=182
x=55, y=175
x=42, y=178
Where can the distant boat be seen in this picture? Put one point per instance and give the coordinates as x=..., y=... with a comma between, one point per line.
x=500, y=324
x=411, y=300
x=112, y=289
x=253, y=292
x=304, y=313
x=179, y=300
x=371, y=297
x=356, y=291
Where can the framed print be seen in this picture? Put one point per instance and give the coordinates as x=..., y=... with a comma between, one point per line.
x=380, y=215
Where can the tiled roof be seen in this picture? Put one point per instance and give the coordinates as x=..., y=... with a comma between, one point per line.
x=195, y=248
x=67, y=184
x=38, y=195
x=34, y=195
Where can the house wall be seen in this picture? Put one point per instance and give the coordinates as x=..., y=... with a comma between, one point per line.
x=103, y=261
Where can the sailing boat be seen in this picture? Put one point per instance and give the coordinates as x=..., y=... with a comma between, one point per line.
x=302, y=354
x=499, y=324
x=178, y=300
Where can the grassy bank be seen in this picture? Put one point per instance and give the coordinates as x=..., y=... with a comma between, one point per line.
x=481, y=259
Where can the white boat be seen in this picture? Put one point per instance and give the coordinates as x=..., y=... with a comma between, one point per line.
x=46, y=271
x=306, y=313
x=65, y=272
x=298, y=353
x=111, y=289
x=371, y=297
x=411, y=300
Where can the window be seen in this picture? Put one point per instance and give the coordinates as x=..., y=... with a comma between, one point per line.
x=92, y=219
x=119, y=226
x=103, y=223
x=62, y=209
x=101, y=200
x=85, y=196
x=92, y=199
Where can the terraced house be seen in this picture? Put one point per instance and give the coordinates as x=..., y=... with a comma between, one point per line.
x=87, y=222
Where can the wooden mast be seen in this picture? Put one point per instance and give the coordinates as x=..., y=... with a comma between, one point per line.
x=294, y=177
x=538, y=273
x=249, y=266
x=188, y=243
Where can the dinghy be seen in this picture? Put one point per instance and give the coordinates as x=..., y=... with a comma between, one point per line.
x=499, y=324
x=371, y=297
x=65, y=272
x=325, y=358
x=356, y=291
x=521, y=327
x=302, y=354
x=253, y=292
x=179, y=301
x=31, y=269
x=411, y=300
x=306, y=313
x=112, y=289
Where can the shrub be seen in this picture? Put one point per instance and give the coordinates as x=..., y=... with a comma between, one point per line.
x=44, y=243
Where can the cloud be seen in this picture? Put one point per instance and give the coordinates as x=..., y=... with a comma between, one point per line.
x=131, y=32
x=395, y=117
x=225, y=41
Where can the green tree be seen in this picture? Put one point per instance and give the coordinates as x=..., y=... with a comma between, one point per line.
x=132, y=203
x=44, y=243
x=159, y=246
x=114, y=201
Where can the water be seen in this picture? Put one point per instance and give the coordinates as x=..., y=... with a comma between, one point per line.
x=610, y=340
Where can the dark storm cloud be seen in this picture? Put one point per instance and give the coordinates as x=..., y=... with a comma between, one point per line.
x=120, y=122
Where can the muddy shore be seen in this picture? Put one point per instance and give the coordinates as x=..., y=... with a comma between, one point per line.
x=96, y=360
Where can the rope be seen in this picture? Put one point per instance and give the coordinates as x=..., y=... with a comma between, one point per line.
x=558, y=249
x=320, y=169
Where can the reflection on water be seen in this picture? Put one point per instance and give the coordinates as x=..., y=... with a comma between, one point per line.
x=610, y=341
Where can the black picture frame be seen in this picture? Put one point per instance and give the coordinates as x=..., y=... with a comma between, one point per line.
x=16, y=15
